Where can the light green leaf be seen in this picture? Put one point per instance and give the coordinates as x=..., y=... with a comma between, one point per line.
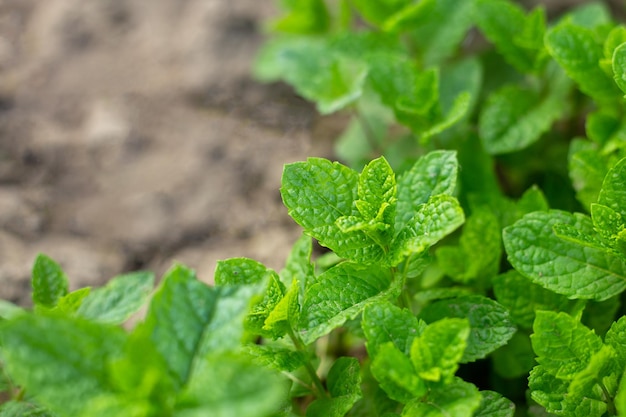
x=608, y=223
x=377, y=191
x=262, y=307
x=377, y=12
x=491, y=325
x=494, y=405
x=576, y=50
x=434, y=173
x=339, y=294
x=383, y=322
x=459, y=109
x=458, y=399
x=599, y=369
x=240, y=271
x=587, y=168
x=563, y=345
x=433, y=221
x=616, y=338
x=551, y=393
x=286, y=313
x=9, y=310
x=559, y=265
x=178, y=315
x=71, y=302
x=277, y=357
x=48, y=281
x=619, y=66
x=523, y=298
x=590, y=15
x=63, y=360
x=463, y=77
x=303, y=16
x=244, y=389
x=620, y=397
x=118, y=299
x=613, y=193
x=317, y=193
x=437, y=351
x=394, y=371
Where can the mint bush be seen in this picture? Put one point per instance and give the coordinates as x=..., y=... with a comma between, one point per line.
x=474, y=259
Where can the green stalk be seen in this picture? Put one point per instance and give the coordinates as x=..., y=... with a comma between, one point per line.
x=319, y=391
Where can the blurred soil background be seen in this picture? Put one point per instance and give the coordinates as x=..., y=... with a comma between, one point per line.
x=132, y=136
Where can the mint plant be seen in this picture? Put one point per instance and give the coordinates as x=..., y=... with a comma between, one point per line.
x=474, y=244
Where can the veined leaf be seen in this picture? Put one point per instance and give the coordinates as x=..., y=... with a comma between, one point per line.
x=563, y=266
x=395, y=373
x=613, y=193
x=436, y=352
x=383, y=322
x=339, y=294
x=491, y=325
x=563, y=345
x=118, y=299
x=494, y=405
x=577, y=51
x=434, y=173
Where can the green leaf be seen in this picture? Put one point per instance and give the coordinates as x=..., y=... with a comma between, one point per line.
x=491, y=325
x=262, y=308
x=442, y=27
x=379, y=11
x=599, y=368
x=619, y=66
x=317, y=71
x=479, y=250
x=494, y=405
x=244, y=389
x=576, y=50
x=339, y=294
x=587, y=167
x=613, y=193
x=437, y=351
x=559, y=265
x=551, y=393
x=518, y=38
x=240, y=271
x=303, y=17
x=394, y=371
x=9, y=310
x=344, y=386
x=48, y=281
x=514, y=117
x=317, y=193
x=22, y=409
x=434, y=173
x=119, y=299
x=63, y=360
x=616, y=338
x=70, y=303
x=458, y=399
x=459, y=109
x=609, y=224
x=433, y=221
x=384, y=322
x=563, y=345
x=286, y=313
x=277, y=357
x=298, y=265
x=620, y=398
x=523, y=298
x=178, y=315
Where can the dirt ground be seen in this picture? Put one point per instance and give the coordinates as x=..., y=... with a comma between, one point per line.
x=132, y=136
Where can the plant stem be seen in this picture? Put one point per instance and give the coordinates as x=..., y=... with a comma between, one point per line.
x=319, y=391
x=610, y=405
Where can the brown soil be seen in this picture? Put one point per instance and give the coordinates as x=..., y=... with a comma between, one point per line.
x=132, y=136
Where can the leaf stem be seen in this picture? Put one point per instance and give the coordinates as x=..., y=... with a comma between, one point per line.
x=319, y=391
x=610, y=404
